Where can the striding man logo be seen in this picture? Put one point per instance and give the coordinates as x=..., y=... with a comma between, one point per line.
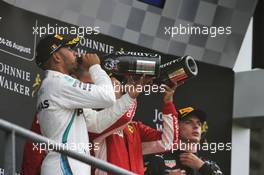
x=36, y=85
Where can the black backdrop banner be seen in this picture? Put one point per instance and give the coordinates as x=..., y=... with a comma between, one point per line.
x=211, y=91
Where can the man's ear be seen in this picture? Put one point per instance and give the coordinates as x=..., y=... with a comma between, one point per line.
x=56, y=57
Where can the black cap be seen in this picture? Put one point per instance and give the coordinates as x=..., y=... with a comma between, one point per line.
x=52, y=43
x=187, y=111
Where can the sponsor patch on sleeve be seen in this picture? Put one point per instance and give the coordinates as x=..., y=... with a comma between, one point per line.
x=78, y=84
x=69, y=79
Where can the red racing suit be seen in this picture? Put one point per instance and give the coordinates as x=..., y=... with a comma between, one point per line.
x=123, y=144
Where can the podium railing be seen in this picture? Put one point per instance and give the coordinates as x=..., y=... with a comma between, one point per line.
x=13, y=130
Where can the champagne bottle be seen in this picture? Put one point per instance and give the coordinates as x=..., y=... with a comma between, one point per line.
x=132, y=63
x=179, y=70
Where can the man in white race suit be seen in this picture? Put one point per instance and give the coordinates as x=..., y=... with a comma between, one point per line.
x=60, y=96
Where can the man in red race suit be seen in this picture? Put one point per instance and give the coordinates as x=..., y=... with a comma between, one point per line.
x=124, y=145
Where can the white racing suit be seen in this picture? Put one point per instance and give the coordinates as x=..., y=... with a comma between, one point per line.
x=59, y=98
